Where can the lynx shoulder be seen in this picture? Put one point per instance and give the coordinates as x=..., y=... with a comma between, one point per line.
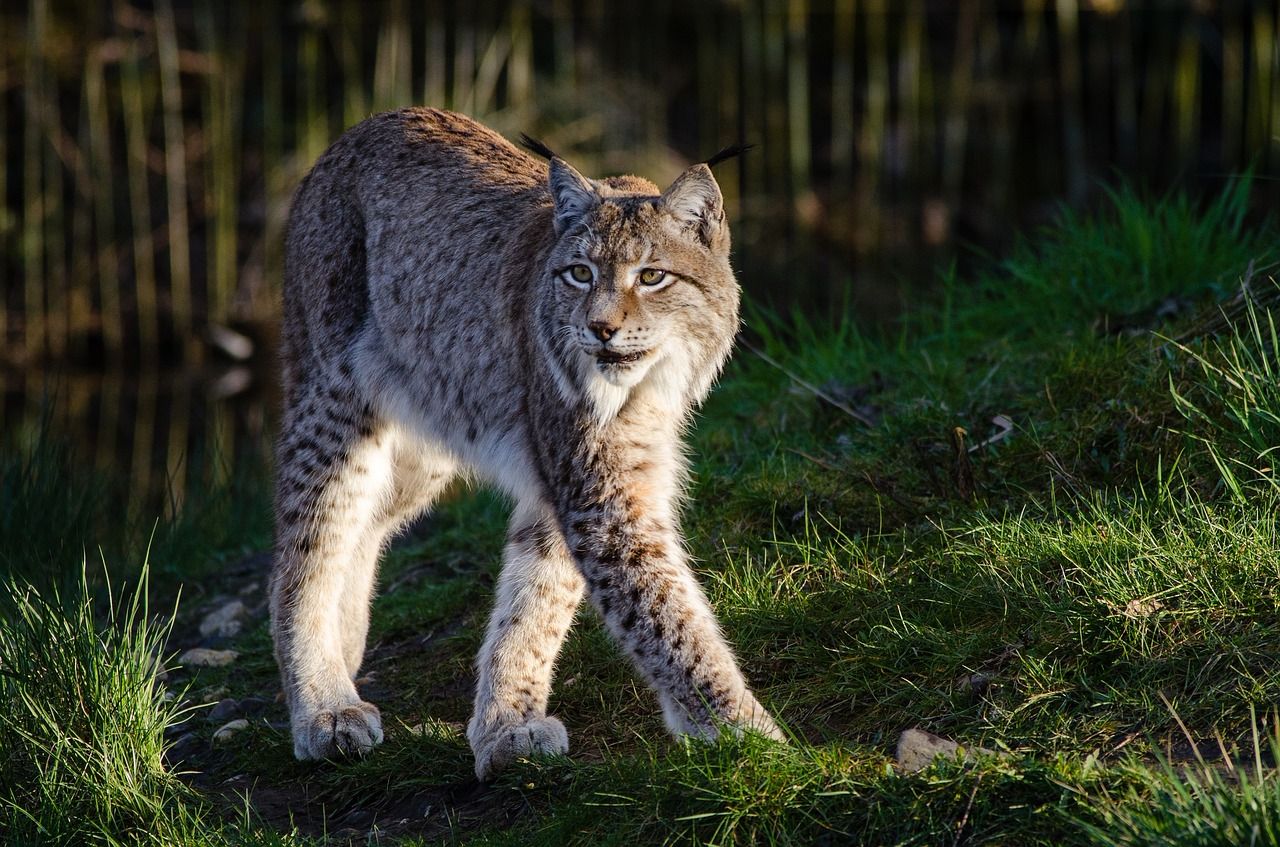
x=453, y=304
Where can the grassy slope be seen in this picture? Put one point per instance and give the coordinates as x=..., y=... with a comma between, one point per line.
x=1067, y=595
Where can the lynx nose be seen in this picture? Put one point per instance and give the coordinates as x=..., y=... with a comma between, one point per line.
x=603, y=329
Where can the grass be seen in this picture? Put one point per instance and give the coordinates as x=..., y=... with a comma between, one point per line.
x=1057, y=542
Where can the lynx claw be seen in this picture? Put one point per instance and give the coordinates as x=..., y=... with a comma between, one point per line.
x=349, y=732
x=544, y=736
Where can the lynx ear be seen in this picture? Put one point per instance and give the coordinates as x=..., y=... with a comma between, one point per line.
x=574, y=194
x=695, y=200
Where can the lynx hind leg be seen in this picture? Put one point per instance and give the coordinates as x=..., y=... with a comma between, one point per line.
x=420, y=472
x=538, y=593
x=334, y=475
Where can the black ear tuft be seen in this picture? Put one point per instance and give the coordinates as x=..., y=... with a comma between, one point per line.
x=537, y=146
x=727, y=153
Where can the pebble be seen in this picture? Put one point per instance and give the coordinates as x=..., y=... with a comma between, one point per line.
x=229, y=729
x=203, y=657
x=225, y=621
x=225, y=709
x=182, y=747
x=917, y=749
x=975, y=683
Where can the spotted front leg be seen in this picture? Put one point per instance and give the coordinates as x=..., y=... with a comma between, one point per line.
x=638, y=577
x=538, y=592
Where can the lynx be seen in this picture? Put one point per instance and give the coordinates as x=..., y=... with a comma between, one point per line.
x=454, y=305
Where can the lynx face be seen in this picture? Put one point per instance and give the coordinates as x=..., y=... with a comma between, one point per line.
x=638, y=287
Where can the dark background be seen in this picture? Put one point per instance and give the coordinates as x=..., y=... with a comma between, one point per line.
x=150, y=152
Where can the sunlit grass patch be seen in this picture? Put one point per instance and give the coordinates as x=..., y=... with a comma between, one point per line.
x=82, y=730
x=1234, y=405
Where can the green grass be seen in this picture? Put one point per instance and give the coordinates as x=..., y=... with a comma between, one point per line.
x=1091, y=592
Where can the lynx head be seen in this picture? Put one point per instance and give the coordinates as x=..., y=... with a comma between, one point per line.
x=637, y=293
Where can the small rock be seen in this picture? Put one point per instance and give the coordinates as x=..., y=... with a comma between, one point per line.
x=229, y=729
x=182, y=747
x=203, y=657
x=974, y=683
x=917, y=749
x=1144, y=608
x=233, y=344
x=226, y=709
x=360, y=818
x=224, y=621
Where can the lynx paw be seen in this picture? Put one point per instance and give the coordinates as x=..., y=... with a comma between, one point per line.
x=349, y=731
x=753, y=716
x=537, y=736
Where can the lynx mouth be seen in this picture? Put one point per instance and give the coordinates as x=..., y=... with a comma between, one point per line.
x=609, y=357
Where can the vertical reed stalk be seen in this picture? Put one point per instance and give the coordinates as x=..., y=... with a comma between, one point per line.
x=842, y=94
x=275, y=170
x=707, y=76
x=798, y=97
x=1233, y=93
x=1126, y=87
x=520, y=73
x=495, y=57
x=392, y=75
x=754, y=168
x=957, y=126
x=33, y=247
x=912, y=120
x=565, y=43
x=135, y=125
x=1186, y=85
x=464, y=61
x=872, y=137
x=312, y=130
x=102, y=163
x=915, y=86
x=55, y=234
x=1000, y=139
x=731, y=124
x=80, y=294
x=1266, y=39
x=222, y=157
x=175, y=168
x=355, y=97
x=773, y=95
x=1154, y=148
x=435, y=58
x=1273, y=134
x=1077, y=184
x=6, y=215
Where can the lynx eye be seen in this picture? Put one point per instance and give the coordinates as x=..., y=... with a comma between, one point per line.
x=581, y=273
x=652, y=276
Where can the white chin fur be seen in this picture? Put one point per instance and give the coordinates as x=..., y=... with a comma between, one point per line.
x=625, y=376
x=608, y=388
x=663, y=378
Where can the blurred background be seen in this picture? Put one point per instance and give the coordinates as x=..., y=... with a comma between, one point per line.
x=150, y=151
